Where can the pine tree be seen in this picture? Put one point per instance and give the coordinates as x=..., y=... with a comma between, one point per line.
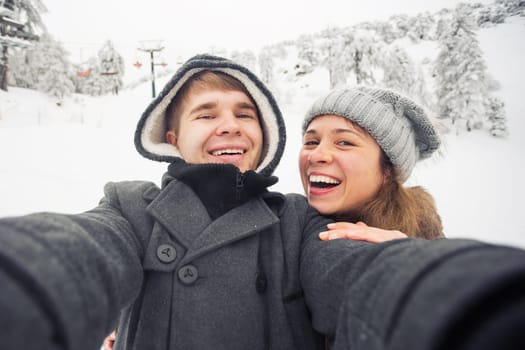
x=420, y=27
x=496, y=116
x=330, y=47
x=32, y=10
x=52, y=69
x=398, y=70
x=266, y=65
x=246, y=58
x=512, y=7
x=460, y=73
x=26, y=12
x=359, y=57
x=386, y=31
x=111, y=67
x=21, y=70
x=307, y=50
x=94, y=83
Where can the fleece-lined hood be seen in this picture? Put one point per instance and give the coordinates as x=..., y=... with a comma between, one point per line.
x=151, y=129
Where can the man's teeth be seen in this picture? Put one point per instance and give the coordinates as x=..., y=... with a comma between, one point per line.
x=323, y=179
x=227, y=151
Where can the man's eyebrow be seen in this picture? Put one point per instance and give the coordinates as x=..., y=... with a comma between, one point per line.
x=203, y=106
x=247, y=105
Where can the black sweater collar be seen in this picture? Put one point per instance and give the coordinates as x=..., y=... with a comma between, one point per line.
x=220, y=187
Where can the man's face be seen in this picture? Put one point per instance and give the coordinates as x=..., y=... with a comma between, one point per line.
x=218, y=126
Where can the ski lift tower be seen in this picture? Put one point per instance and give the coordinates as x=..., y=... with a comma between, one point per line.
x=152, y=46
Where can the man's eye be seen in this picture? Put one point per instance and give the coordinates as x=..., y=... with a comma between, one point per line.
x=245, y=116
x=205, y=116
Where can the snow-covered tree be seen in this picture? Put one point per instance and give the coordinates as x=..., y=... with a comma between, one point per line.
x=398, y=69
x=307, y=50
x=401, y=24
x=246, y=58
x=496, y=116
x=492, y=14
x=323, y=50
x=359, y=56
x=28, y=13
x=266, y=65
x=460, y=72
x=111, y=67
x=512, y=7
x=420, y=27
x=21, y=68
x=91, y=82
x=52, y=69
x=331, y=43
x=386, y=31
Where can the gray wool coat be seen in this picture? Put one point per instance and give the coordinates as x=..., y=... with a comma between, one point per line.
x=178, y=281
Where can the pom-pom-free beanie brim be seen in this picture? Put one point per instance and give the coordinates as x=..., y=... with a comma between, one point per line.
x=150, y=138
x=399, y=126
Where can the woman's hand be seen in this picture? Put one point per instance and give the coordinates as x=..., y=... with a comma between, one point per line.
x=359, y=232
x=109, y=341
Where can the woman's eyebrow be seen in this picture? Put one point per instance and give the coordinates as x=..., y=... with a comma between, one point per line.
x=337, y=131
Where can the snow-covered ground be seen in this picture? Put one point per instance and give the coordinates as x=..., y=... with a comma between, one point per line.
x=58, y=158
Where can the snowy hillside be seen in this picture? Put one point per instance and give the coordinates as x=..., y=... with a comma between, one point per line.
x=58, y=158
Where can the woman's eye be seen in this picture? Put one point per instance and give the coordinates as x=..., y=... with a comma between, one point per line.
x=345, y=143
x=310, y=143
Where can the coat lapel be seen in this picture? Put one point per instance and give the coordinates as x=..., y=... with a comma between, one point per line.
x=183, y=215
x=180, y=211
x=240, y=222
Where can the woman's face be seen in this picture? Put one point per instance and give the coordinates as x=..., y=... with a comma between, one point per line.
x=340, y=165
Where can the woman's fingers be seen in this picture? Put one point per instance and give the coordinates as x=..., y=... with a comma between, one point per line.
x=359, y=231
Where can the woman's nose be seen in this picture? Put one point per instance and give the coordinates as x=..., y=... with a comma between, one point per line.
x=320, y=155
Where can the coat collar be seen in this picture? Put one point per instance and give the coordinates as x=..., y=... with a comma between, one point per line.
x=182, y=214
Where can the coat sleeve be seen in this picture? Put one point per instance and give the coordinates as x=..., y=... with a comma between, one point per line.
x=414, y=294
x=64, y=278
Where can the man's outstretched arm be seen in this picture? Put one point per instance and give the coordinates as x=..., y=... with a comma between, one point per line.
x=65, y=278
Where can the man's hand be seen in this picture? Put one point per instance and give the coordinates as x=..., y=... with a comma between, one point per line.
x=109, y=341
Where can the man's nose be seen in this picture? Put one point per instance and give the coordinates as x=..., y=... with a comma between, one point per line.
x=229, y=124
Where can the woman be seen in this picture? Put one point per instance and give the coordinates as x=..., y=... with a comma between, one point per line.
x=359, y=146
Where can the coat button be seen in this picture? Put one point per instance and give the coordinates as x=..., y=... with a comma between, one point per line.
x=188, y=274
x=261, y=282
x=166, y=253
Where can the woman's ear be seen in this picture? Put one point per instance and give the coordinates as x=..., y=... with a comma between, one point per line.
x=388, y=174
x=171, y=137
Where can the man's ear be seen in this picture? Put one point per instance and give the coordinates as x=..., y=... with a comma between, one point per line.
x=171, y=137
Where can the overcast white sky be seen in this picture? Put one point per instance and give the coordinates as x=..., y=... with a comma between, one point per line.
x=197, y=25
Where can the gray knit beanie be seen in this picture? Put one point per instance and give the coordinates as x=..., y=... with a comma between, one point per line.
x=150, y=138
x=399, y=126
